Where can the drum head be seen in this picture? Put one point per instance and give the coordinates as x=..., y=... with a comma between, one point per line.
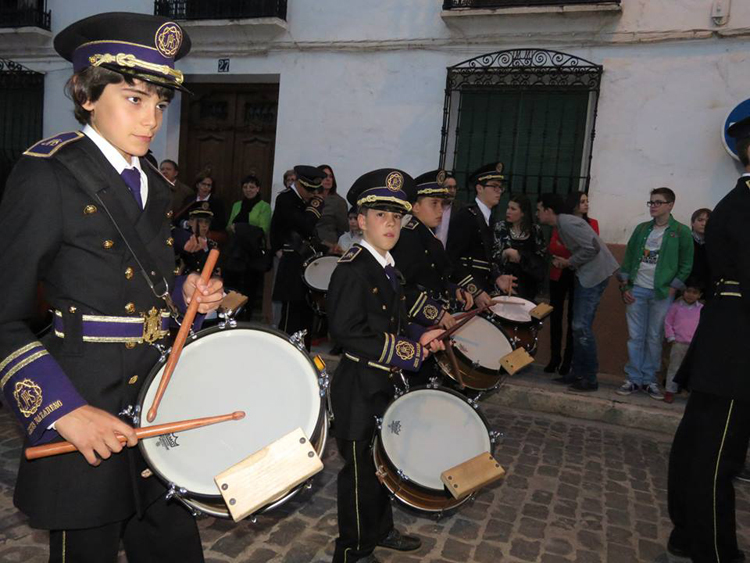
x=427, y=431
x=318, y=272
x=481, y=341
x=242, y=369
x=513, y=308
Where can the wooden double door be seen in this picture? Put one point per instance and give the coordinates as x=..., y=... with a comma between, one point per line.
x=229, y=130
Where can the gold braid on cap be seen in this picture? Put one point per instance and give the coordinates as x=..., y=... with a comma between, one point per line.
x=129, y=61
x=385, y=199
x=308, y=184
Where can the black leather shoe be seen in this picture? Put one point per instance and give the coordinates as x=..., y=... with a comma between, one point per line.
x=564, y=368
x=677, y=551
x=551, y=367
x=400, y=542
x=581, y=386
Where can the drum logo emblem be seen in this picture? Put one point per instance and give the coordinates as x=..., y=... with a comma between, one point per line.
x=395, y=427
x=28, y=396
x=167, y=441
x=405, y=350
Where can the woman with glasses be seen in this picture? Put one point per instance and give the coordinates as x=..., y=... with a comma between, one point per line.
x=562, y=286
x=657, y=262
x=519, y=248
x=334, y=221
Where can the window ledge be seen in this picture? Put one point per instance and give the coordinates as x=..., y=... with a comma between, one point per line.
x=240, y=31
x=17, y=38
x=258, y=23
x=523, y=10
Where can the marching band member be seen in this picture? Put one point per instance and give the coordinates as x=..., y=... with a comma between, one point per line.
x=73, y=382
x=368, y=320
x=297, y=211
x=470, y=239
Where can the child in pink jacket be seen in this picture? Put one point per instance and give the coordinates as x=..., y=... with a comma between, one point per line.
x=679, y=328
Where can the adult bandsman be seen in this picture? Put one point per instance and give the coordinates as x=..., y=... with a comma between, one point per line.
x=367, y=318
x=470, y=236
x=60, y=207
x=297, y=211
x=711, y=442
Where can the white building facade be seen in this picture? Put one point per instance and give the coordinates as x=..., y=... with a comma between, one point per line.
x=362, y=85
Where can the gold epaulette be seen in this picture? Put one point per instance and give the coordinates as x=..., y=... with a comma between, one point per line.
x=350, y=255
x=47, y=147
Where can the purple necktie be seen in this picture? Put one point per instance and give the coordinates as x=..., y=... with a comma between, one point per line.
x=390, y=272
x=133, y=179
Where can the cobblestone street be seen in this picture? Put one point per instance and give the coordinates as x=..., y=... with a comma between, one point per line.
x=576, y=491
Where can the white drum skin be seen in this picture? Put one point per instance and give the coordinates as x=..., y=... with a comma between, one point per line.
x=318, y=272
x=255, y=370
x=512, y=308
x=427, y=431
x=481, y=341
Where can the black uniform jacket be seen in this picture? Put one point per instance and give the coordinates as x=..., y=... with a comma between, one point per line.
x=428, y=272
x=366, y=317
x=292, y=231
x=469, y=248
x=718, y=361
x=62, y=237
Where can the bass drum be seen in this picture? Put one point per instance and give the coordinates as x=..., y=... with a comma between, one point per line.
x=250, y=368
x=316, y=273
x=479, y=346
x=423, y=433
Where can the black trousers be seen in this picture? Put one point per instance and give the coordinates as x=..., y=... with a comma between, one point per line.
x=559, y=290
x=364, y=506
x=709, y=449
x=296, y=316
x=167, y=533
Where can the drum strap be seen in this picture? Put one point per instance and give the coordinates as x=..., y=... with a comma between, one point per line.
x=91, y=178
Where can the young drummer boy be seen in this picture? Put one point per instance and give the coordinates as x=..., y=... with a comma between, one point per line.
x=367, y=317
x=72, y=383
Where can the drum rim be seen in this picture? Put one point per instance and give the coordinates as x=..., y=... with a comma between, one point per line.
x=481, y=368
x=309, y=261
x=198, y=335
x=379, y=439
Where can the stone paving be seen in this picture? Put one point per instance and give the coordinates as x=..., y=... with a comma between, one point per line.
x=576, y=491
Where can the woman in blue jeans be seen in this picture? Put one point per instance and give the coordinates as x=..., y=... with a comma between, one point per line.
x=657, y=262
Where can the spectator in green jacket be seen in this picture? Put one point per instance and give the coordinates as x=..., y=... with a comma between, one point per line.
x=658, y=260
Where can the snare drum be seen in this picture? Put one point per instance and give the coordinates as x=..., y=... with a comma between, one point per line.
x=423, y=433
x=479, y=346
x=250, y=368
x=513, y=314
x=316, y=273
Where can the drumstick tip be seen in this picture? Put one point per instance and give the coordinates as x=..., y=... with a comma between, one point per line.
x=238, y=415
x=151, y=415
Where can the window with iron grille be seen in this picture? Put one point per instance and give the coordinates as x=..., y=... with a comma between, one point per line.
x=25, y=13
x=21, y=105
x=534, y=110
x=223, y=9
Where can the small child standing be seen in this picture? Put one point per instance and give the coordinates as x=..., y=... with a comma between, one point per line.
x=353, y=235
x=679, y=328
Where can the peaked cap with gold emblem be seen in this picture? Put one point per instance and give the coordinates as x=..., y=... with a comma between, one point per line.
x=309, y=177
x=491, y=171
x=200, y=210
x=137, y=45
x=383, y=189
x=431, y=184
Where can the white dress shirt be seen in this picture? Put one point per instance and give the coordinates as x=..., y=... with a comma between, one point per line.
x=382, y=260
x=117, y=160
x=486, y=211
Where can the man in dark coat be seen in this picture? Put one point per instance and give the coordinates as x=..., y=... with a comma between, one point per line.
x=711, y=442
x=368, y=320
x=73, y=382
x=470, y=237
x=295, y=216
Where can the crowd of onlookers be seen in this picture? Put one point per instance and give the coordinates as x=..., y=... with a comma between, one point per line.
x=663, y=276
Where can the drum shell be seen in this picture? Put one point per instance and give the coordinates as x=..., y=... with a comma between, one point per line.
x=214, y=504
x=410, y=493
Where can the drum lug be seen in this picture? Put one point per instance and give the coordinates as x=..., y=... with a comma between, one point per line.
x=402, y=475
x=298, y=339
x=495, y=436
x=379, y=422
x=192, y=335
x=308, y=484
x=196, y=513
x=133, y=413
x=175, y=491
x=162, y=350
x=473, y=402
x=324, y=382
x=228, y=321
x=433, y=384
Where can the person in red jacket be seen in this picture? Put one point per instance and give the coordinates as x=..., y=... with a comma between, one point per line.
x=561, y=284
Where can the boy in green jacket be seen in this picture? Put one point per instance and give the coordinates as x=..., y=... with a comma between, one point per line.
x=657, y=262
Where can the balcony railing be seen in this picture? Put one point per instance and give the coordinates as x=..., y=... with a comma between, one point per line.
x=220, y=10
x=490, y=4
x=26, y=13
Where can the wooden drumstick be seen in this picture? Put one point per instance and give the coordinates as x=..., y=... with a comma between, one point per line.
x=47, y=450
x=454, y=364
x=465, y=319
x=179, y=342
